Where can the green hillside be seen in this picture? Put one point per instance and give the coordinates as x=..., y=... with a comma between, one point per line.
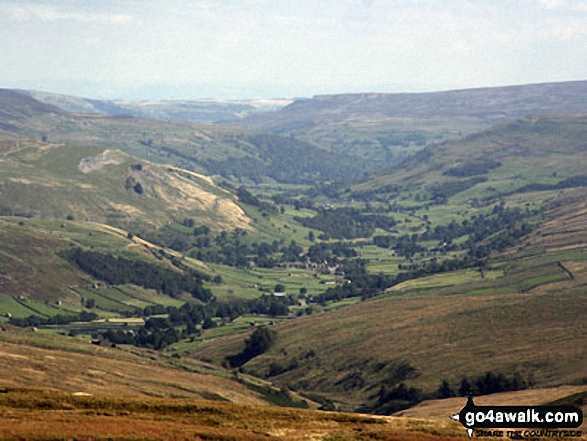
x=32, y=269
x=531, y=154
x=108, y=186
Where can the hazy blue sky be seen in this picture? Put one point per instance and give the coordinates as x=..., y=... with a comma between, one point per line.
x=275, y=48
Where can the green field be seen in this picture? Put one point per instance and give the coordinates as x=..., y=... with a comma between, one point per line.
x=252, y=283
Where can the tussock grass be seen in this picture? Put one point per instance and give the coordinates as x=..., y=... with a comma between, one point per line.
x=43, y=414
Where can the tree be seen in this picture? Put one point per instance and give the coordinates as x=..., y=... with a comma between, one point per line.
x=259, y=342
x=208, y=323
x=465, y=388
x=445, y=391
x=279, y=288
x=201, y=231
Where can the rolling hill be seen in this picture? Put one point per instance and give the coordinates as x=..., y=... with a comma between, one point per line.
x=70, y=364
x=383, y=129
x=486, y=105
x=100, y=417
x=336, y=137
x=203, y=148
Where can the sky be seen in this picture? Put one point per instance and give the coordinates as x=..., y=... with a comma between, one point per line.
x=238, y=49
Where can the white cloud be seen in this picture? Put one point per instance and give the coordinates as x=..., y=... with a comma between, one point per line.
x=459, y=47
x=570, y=5
x=47, y=13
x=564, y=32
x=95, y=41
x=552, y=4
x=549, y=31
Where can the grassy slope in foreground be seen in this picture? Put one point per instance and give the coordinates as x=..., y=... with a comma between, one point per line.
x=96, y=417
x=74, y=365
x=530, y=320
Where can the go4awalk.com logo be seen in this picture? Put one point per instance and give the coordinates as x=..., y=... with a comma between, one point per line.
x=520, y=422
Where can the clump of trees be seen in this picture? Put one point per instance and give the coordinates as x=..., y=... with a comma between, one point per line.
x=472, y=168
x=246, y=197
x=330, y=251
x=346, y=223
x=157, y=333
x=396, y=398
x=258, y=343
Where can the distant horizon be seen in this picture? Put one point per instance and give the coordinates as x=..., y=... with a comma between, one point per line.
x=191, y=97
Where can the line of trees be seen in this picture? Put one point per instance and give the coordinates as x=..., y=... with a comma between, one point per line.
x=392, y=398
x=59, y=319
x=486, y=384
x=119, y=271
